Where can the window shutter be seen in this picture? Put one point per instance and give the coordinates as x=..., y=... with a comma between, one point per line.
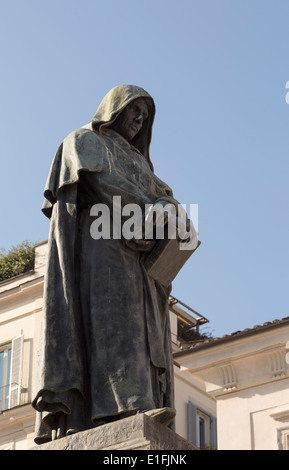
x=16, y=371
x=192, y=423
x=214, y=432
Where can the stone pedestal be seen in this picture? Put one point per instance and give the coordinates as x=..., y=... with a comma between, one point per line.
x=138, y=432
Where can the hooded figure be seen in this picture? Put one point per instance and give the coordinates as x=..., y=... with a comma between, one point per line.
x=105, y=350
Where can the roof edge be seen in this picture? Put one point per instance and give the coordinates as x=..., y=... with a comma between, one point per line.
x=211, y=342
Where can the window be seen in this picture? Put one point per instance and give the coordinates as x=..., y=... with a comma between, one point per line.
x=5, y=366
x=201, y=428
x=281, y=415
x=11, y=373
x=202, y=439
x=283, y=439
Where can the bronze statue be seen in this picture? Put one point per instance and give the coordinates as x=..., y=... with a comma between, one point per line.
x=106, y=345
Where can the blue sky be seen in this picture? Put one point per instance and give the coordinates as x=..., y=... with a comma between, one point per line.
x=217, y=70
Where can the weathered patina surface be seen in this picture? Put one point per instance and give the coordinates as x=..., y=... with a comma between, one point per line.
x=105, y=350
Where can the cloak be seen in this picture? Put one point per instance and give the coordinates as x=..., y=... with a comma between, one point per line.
x=105, y=348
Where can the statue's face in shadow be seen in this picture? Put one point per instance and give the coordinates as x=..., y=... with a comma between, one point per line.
x=129, y=122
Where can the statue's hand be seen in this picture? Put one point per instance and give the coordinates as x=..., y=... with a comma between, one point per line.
x=186, y=233
x=140, y=245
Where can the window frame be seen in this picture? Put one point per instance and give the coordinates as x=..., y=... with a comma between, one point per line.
x=6, y=350
x=209, y=432
x=11, y=374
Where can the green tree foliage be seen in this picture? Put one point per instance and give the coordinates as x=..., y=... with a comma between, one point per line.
x=18, y=260
x=186, y=333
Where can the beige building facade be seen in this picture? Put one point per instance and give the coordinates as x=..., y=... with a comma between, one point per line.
x=230, y=392
x=20, y=321
x=247, y=375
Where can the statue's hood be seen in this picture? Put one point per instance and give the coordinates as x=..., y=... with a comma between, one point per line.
x=112, y=105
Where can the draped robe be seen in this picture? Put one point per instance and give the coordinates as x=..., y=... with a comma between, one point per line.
x=106, y=344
